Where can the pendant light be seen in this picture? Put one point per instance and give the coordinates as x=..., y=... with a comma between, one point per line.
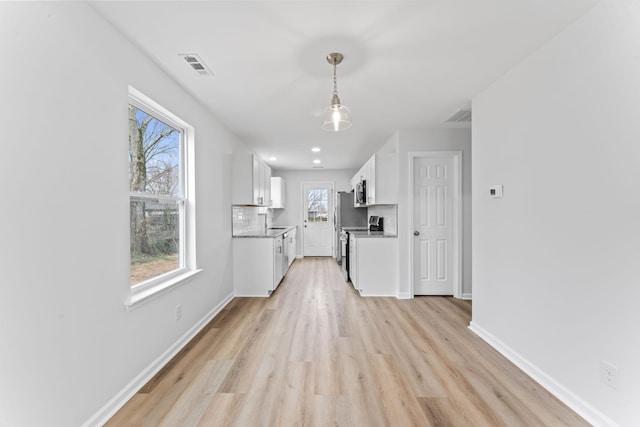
x=336, y=117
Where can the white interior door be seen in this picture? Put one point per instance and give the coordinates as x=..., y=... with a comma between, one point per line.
x=317, y=200
x=434, y=221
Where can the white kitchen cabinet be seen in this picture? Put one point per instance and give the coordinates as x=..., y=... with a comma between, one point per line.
x=251, y=180
x=278, y=261
x=265, y=185
x=381, y=174
x=353, y=261
x=278, y=194
x=373, y=265
x=292, y=236
x=354, y=181
x=257, y=266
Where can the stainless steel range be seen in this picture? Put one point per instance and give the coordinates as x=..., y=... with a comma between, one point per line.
x=344, y=243
x=346, y=215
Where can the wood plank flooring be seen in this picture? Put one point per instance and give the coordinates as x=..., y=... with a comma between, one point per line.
x=317, y=354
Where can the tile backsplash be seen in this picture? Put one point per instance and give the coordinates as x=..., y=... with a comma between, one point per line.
x=390, y=215
x=250, y=219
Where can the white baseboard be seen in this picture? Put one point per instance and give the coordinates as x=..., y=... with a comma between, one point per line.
x=582, y=408
x=409, y=295
x=376, y=295
x=252, y=296
x=467, y=296
x=120, y=399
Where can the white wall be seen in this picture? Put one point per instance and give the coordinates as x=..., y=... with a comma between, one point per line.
x=408, y=141
x=556, y=261
x=68, y=343
x=292, y=215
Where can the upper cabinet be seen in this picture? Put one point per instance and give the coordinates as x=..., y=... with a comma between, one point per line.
x=251, y=180
x=277, y=193
x=381, y=176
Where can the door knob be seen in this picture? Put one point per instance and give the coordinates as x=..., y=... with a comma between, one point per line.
x=416, y=233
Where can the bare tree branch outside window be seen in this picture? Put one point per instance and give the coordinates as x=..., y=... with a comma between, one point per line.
x=317, y=205
x=154, y=169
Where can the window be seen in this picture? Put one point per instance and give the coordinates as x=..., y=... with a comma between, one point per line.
x=161, y=238
x=317, y=205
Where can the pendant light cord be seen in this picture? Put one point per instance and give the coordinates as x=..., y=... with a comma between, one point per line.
x=335, y=80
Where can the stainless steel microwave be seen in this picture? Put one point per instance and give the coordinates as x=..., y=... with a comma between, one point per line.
x=361, y=193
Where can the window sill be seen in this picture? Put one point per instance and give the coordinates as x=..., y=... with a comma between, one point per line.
x=138, y=298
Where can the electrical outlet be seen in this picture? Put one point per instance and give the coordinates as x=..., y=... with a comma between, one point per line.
x=609, y=374
x=178, y=312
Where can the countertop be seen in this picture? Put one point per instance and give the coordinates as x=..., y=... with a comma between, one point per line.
x=355, y=228
x=271, y=232
x=366, y=234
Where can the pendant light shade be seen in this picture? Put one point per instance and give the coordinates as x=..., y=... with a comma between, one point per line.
x=336, y=116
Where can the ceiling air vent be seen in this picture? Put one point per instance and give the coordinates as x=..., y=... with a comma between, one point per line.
x=197, y=64
x=460, y=116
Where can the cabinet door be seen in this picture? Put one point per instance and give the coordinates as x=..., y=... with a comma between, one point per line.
x=353, y=262
x=371, y=181
x=277, y=192
x=277, y=261
x=292, y=246
x=266, y=184
x=257, y=179
x=354, y=181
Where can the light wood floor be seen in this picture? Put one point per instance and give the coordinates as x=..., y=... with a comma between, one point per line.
x=317, y=354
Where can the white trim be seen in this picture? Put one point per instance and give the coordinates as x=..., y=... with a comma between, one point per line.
x=119, y=400
x=377, y=295
x=150, y=106
x=141, y=296
x=267, y=295
x=566, y=396
x=147, y=290
x=404, y=295
x=456, y=156
x=467, y=295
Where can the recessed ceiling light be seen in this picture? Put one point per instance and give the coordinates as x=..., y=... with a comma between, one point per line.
x=316, y=149
x=316, y=161
x=273, y=159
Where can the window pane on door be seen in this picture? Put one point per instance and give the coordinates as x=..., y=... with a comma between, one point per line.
x=317, y=205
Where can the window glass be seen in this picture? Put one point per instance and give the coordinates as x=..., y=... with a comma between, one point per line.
x=317, y=205
x=157, y=201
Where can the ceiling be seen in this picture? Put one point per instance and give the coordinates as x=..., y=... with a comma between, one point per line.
x=407, y=64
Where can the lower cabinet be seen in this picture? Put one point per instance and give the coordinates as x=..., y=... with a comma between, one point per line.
x=293, y=246
x=373, y=266
x=257, y=266
x=353, y=261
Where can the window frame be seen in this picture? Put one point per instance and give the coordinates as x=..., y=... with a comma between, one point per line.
x=154, y=286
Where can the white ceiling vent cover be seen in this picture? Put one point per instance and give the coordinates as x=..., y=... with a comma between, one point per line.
x=460, y=116
x=197, y=63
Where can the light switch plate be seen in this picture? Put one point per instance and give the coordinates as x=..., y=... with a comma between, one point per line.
x=495, y=191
